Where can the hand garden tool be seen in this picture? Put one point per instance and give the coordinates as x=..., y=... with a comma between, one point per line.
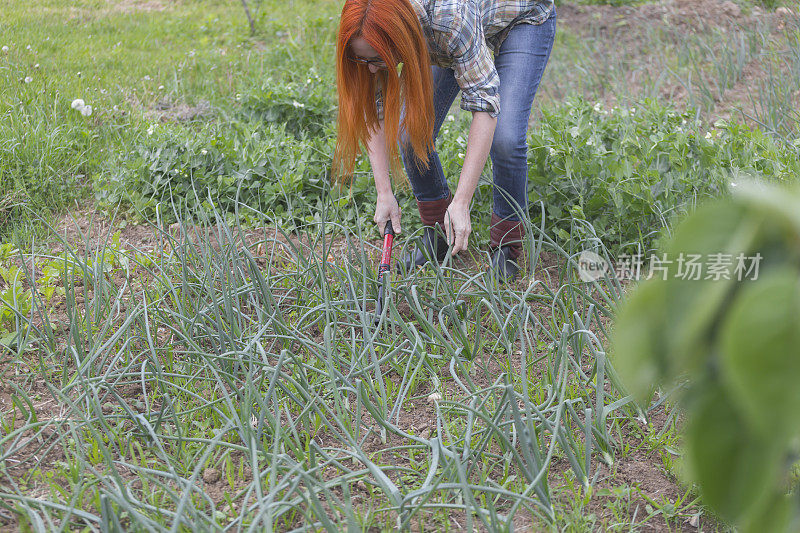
x=384, y=269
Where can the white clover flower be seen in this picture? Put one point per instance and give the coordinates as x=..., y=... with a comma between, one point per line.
x=553, y=151
x=204, y=151
x=574, y=131
x=598, y=107
x=151, y=129
x=434, y=397
x=86, y=110
x=4, y=49
x=78, y=104
x=28, y=79
x=297, y=104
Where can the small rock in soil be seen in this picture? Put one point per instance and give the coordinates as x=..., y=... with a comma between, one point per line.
x=730, y=9
x=211, y=475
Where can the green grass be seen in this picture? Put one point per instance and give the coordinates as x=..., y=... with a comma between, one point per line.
x=125, y=64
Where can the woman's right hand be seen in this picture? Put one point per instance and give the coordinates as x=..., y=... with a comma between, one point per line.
x=386, y=208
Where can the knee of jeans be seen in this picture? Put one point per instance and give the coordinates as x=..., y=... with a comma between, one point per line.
x=506, y=212
x=508, y=146
x=406, y=149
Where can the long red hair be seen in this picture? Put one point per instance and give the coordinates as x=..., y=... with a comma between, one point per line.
x=392, y=28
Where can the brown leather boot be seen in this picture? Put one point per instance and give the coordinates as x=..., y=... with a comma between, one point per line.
x=433, y=212
x=434, y=243
x=505, y=241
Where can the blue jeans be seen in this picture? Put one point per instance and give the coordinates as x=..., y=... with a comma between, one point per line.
x=520, y=65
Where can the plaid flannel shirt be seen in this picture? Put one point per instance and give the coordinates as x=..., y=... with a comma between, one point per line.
x=463, y=34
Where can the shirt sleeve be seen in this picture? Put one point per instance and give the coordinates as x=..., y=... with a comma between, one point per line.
x=473, y=63
x=379, y=102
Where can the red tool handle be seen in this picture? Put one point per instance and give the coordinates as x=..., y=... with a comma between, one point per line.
x=386, y=261
x=386, y=258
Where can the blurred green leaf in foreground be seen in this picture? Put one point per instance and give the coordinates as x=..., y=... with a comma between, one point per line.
x=729, y=334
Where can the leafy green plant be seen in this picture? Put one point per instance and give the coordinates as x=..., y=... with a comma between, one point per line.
x=245, y=168
x=631, y=171
x=730, y=337
x=15, y=303
x=306, y=109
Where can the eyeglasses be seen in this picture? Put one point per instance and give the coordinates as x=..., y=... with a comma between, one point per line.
x=378, y=62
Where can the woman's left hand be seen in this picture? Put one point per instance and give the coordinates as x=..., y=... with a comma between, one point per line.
x=457, y=225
